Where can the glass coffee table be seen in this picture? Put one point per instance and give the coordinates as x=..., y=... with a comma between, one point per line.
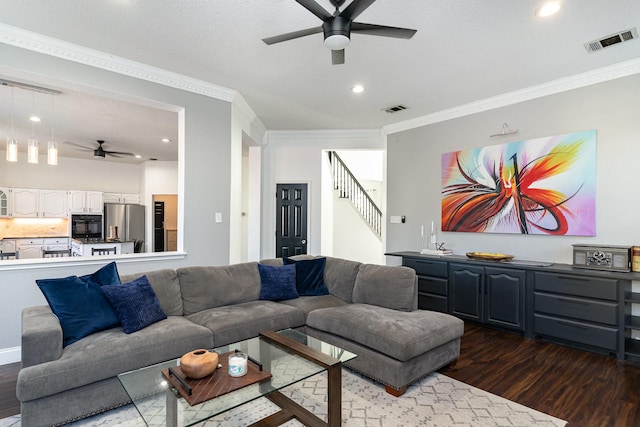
x=290, y=356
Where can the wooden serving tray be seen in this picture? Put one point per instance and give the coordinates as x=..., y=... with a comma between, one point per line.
x=214, y=385
x=488, y=256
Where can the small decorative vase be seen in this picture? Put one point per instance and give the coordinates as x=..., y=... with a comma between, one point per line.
x=199, y=363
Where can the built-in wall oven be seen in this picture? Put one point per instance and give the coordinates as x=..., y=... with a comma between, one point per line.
x=86, y=226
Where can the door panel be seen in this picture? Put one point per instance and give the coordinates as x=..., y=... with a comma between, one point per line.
x=291, y=213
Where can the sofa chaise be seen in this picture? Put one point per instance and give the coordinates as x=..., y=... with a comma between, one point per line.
x=370, y=310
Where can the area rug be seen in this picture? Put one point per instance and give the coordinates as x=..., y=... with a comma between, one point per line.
x=436, y=401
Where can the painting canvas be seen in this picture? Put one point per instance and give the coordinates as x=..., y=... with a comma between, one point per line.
x=543, y=186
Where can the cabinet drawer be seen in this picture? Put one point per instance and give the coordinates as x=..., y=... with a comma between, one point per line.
x=584, y=333
x=577, y=308
x=591, y=287
x=432, y=302
x=426, y=267
x=432, y=285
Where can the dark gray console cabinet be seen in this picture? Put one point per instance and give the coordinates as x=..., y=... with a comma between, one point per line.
x=592, y=310
x=490, y=295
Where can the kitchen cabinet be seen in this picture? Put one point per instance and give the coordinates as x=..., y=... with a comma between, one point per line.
x=35, y=203
x=29, y=248
x=4, y=202
x=132, y=199
x=85, y=202
x=8, y=245
x=79, y=248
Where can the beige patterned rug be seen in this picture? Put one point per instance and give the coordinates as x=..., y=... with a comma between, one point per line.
x=435, y=401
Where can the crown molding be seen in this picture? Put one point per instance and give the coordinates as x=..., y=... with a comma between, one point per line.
x=273, y=135
x=40, y=43
x=600, y=75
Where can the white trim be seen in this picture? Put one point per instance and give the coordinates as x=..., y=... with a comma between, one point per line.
x=10, y=355
x=604, y=74
x=36, y=42
x=323, y=133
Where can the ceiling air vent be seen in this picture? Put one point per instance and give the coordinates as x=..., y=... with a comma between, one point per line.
x=394, y=109
x=610, y=40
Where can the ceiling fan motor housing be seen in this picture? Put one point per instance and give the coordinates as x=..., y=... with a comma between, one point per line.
x=339, y=28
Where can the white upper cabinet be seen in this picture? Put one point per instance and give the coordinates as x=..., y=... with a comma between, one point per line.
x=122, y=198
x=4, y=202
x=34, y=203
x=85, y=202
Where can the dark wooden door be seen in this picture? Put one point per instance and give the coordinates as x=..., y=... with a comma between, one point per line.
x=505, y=289
x=291, y=214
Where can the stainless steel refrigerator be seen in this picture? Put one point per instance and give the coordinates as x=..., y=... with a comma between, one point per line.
x=129, y=220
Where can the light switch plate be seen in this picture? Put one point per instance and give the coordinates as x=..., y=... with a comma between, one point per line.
x=395, y=219
x=218, y=216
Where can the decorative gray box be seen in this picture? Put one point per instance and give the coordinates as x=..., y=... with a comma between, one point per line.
x=611, y=258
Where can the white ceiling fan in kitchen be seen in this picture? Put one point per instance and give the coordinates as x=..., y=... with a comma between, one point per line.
x=99, y=151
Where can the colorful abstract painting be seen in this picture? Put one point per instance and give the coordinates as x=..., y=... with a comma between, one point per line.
x=539, y=186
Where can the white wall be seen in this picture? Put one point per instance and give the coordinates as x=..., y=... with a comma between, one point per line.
x=352, y=237
x=612, y=108
x=297, y=157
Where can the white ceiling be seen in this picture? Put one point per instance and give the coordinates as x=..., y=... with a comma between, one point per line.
x=463, y=51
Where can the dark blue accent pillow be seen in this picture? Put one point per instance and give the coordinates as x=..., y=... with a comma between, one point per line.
x=277, y=283
x=309, y=276
x=79, y=304
x=135, y=303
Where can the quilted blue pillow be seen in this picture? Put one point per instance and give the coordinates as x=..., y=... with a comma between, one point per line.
x=135, y=303
x=309, y=276
x=277, y=282
x=79, y=304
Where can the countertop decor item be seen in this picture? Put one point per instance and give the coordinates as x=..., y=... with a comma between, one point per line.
x=489, y=256
x=199, y=363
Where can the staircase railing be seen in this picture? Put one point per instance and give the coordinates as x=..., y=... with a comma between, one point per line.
x=350, y=188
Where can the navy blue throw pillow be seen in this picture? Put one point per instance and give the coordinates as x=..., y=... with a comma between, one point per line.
x=135, y=303
x=277, y=283
x=309, y=276
x=79, y=304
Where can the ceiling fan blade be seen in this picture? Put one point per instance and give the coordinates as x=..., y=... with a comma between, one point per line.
x=356, y=7
x=315, y=8
x=123, y=153
x=337, y=57
x=78, y=145
x=381, y=30
x=293, y=35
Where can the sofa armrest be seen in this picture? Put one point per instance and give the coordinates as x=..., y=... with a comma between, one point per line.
x=41, y=336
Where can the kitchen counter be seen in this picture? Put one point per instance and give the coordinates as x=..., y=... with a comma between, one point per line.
x=33, y=237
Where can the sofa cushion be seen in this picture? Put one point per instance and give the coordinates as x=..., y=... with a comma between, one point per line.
x=310, y=303
x=135, y=304
x=340, y=277
x=79, y=304
x=277, y=283
x=208, y=287
x=246, y=320
x=386, y=286
x=399, y=334
x=166, y=286
x=108, y=353
x=309, y=276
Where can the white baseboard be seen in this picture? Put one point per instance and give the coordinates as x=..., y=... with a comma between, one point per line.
x=10, y=355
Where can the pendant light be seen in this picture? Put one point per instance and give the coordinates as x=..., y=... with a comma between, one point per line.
x=32, y=143
x=52, y=146
x=12, y=142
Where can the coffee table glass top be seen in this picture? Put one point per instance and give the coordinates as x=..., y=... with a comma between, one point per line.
x=147, y=387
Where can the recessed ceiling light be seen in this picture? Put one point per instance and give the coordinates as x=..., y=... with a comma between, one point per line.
x=548, y=9
x=357, y=89
x=35, y=119
x=138, y=156
x=166, y=140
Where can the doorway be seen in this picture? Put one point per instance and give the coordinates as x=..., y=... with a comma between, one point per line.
x=291, y=223
x=165, y=222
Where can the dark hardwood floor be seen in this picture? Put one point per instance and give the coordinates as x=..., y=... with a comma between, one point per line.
x=585, y=389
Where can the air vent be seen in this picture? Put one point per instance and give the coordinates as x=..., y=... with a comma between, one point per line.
x=611, y=40
x=394, y=109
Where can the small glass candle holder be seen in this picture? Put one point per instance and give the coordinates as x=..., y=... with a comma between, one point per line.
x=237, y=364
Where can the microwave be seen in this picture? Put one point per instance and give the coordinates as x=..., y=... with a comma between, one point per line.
x=86, y=226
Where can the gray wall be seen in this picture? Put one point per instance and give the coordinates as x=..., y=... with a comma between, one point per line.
x=612, y=108
x=206, y=180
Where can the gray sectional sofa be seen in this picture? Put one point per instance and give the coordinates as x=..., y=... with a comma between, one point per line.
x=371, y=310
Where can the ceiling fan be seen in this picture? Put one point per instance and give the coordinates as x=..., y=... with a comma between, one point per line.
x=99, y=151
x=338, y=27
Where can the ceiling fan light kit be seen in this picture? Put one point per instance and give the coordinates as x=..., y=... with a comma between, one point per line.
x=337, y=27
